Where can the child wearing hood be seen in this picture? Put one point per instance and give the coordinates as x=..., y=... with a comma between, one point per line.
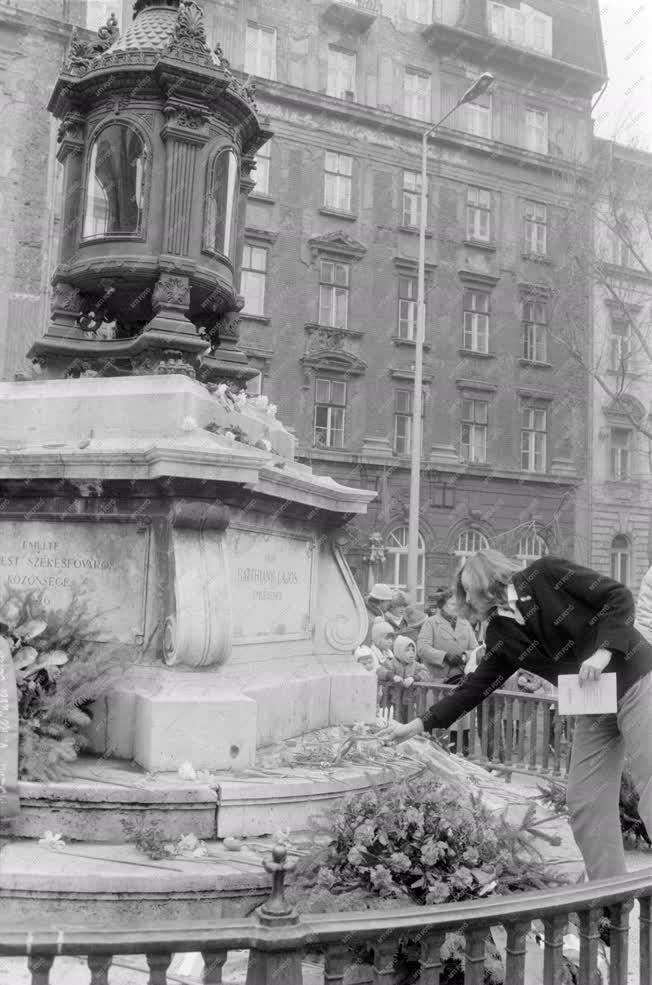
x=403, y=667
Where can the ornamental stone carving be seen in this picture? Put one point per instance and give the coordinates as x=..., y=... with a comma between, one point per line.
x=82, y=53
x=189, y=38
x=170, y=290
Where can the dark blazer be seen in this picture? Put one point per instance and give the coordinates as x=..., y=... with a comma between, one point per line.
x=569, y=613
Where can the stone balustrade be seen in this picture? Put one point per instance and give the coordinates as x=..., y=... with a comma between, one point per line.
x=277, y=938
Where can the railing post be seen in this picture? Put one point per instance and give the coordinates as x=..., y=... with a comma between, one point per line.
x=384, y=954
x=589, y=942
x=516, y=952
x=158, y=965
x=98, y=965
x=281, y=966
x=645, y=940
x=39, y=968
x=214, y=961
x=553, y=955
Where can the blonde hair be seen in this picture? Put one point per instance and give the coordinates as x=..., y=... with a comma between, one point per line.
x=488, y=574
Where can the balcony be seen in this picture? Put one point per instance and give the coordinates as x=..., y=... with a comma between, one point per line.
x=352, y=15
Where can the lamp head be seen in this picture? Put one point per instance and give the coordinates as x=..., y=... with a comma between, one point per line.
x=478, y=88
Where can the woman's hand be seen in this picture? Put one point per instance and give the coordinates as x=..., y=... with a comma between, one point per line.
x=408, y=682
x=397, y=679
x=591, y=669
x=399, y=733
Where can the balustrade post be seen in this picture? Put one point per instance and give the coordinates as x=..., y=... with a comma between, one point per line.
x=158, y=966
x=214, y=961
x=280, y=965
x=619, y=942
x=515, y=952
x=384, y=954
x=98, y=965
x=431, y=963
x=589, y=942
x=474, y=955
x=337, y=960
x=39, y=968
x=553, y=955
x=645, y=940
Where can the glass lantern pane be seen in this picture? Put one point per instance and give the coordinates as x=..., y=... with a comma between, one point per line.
x=115, y=185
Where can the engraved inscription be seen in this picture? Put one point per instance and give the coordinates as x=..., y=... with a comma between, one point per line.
x=105, y=562
x=271, y=585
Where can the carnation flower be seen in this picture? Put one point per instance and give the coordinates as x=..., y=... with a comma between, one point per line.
x=381, y=878
x=53, y=841
x=189, y=424
x=470, y=857
x=399, y=862
x=431, y=853
x=355, y=856
x=364, y=834
x=438, y=893
x=326, y=878
x=414, y=816
x=186, y=772
x=192, y=845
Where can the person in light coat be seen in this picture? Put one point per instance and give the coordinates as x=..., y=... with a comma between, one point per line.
x=643, y=620
x=444, y=645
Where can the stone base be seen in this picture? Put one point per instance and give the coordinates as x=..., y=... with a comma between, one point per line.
x=161, y=718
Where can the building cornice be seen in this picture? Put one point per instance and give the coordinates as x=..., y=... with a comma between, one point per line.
x=405, y=127
x=523, y=61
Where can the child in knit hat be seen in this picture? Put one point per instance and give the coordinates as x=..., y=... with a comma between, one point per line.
x=403, y=668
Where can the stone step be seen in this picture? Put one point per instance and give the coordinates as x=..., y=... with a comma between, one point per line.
x=113, y=801
x=102, y=884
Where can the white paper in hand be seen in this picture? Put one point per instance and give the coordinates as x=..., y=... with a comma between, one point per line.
x=594, y=698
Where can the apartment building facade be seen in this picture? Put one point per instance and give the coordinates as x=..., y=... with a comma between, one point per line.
x=621, y=410
x=330, y=260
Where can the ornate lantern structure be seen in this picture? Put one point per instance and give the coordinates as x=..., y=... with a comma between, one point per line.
x=157, y=139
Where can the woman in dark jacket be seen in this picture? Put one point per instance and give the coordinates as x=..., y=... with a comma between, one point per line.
x=556, y=617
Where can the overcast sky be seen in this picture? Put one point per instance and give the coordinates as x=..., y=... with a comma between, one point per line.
x=625, y=110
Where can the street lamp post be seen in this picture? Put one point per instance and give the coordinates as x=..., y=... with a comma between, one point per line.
x=479, y=87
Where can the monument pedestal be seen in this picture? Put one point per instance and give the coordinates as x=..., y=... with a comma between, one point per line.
x=213, y=564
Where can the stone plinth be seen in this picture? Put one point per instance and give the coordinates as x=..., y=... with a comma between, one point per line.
x=213, y=565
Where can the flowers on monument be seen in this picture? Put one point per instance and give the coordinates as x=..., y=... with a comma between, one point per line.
x=191, y=845
x=60, y=670
x=229, y=435
x=283, y=837
x=264, y=444
x=189, y=424
x=232, y=844
x=52, y=841
x=187, y=772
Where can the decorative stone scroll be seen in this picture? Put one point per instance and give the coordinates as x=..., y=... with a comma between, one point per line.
x=198, y=632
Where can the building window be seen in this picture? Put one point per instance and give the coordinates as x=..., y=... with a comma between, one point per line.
x=116, y=183
x=407, y=308
x=621, y=554
x=341, y=73
x=417, y=95
x=330, y=406
x=475, y=417
x=403, y=421
x=527, y=28
x=618, y=252
x=253, y=277
x=478, y=214
x=476, y=321
x=534, y=438
x=530, y=547
x=411, y=198
x=535, y=321
x=395, y=569
x=535, y=229
x=620, y=453
x=334, y=293
x=478, y=116
x=420, y=11
x=260, y=51
x=536, y=130
x=620, y=345
x=222, y=203
x=469, y=543
x=261, y=174
x=338, y=180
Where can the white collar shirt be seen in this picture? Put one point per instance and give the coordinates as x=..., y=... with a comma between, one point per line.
x=511, y=610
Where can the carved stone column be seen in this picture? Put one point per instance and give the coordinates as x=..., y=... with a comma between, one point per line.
x=198, y=633
x=70, y=154
x=184, y=133
x=65, y=310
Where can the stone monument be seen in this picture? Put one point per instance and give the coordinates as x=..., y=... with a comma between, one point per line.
x=135, y=467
